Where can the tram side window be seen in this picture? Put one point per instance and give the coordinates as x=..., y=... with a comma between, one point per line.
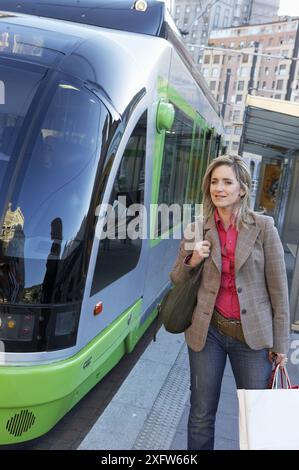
x=194, y=182
x=214, y=147
x=218, y=145
x=119, y=250
x=175, y=165
x=207, y=147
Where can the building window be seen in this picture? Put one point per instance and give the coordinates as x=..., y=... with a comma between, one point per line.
x=215, y=72
x=282, y=69
x=213, y=86
x=207, y=59
x=237, y=115
x=243, y=71
x=279, y=85
x=226, y=18
x=216, y=59
x=217, y=17
x=241, y=85
x=239, y=99
x=277, y=97
x=245, y=58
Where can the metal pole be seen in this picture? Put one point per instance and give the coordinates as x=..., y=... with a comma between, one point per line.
x=252, y=70
x=293, y=66
x=226, y=88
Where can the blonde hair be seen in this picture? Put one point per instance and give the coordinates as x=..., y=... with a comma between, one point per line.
x=243, y=177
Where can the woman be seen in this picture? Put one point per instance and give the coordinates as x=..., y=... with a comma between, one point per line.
x=242, y=309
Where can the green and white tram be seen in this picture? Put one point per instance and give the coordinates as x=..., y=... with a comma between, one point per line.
x=97, y=100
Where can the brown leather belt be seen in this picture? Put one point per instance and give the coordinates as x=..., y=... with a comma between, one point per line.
x=228, y=326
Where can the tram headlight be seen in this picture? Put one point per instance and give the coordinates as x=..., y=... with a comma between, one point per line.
x=38, y=327
x=16, y=327
x=65, y=323
x=11, y=324
x=140, y=5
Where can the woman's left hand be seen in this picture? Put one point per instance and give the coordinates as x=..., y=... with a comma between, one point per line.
x=279, y=358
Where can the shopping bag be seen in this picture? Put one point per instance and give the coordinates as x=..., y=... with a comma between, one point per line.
x=268, y=419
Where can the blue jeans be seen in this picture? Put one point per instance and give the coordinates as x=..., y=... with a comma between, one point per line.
x=251, y=369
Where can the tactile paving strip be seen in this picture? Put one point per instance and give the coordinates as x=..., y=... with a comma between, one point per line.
x=161, y=423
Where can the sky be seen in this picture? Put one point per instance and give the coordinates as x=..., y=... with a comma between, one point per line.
x=289, y=7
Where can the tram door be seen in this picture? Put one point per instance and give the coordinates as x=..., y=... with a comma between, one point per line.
x=119, y=266
x=171, y=191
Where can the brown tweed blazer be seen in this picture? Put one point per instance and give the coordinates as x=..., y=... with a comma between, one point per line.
x=261, y=284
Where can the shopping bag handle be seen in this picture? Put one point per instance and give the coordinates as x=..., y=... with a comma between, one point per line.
x=283, y=375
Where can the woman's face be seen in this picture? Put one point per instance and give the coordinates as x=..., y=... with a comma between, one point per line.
x=225, y=190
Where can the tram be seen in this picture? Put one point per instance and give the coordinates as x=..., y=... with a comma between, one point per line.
x=98, y=101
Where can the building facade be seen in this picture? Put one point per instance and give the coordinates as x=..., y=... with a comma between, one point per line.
x=259, y=11
x=254, y=59
x=197, y=18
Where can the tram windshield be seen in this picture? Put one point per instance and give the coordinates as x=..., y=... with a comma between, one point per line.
x=51, y=133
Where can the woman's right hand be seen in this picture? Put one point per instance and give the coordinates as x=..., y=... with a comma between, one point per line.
x=200, y=252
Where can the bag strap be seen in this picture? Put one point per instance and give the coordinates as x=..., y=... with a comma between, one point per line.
x=199, y=268
x=283, y=375
x=198, y=273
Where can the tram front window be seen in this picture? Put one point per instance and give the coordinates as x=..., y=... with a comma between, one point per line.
x=17, y=89
x=49, y=154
